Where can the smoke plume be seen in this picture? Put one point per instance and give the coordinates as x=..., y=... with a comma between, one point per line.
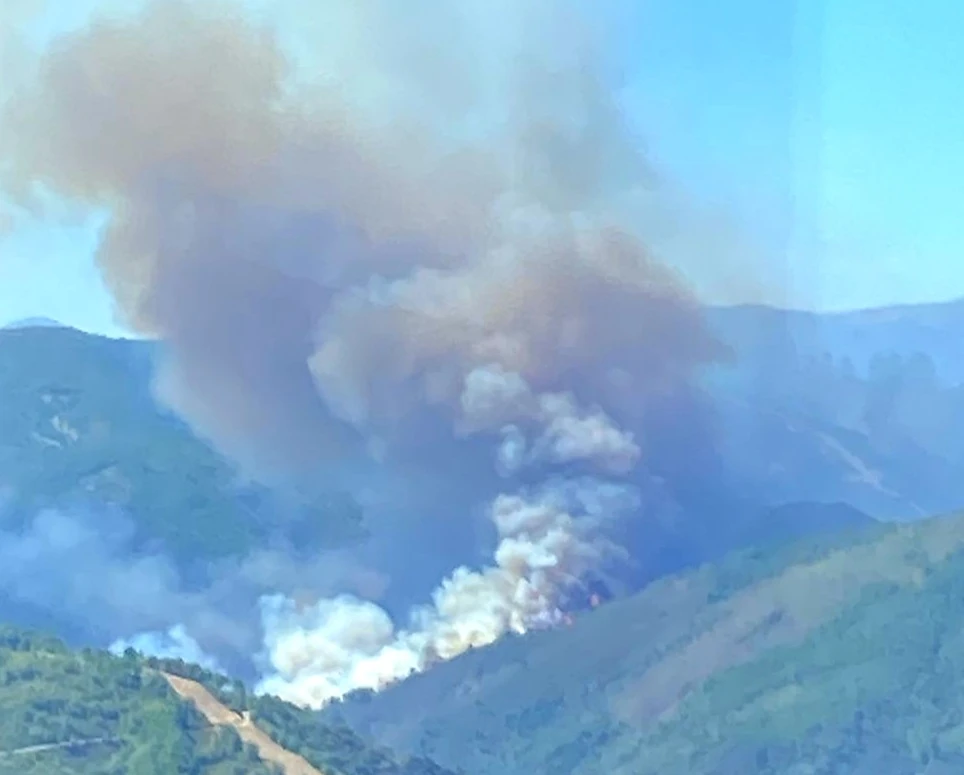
x=412, y=239
x=84, y=575
x=338, y=645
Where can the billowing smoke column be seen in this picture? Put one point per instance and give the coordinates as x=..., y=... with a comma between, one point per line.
x=409, y=242
x=546, y=540
x=335, y=646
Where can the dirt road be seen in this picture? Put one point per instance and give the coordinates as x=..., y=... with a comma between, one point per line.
x=218, y=713
x=29, y=749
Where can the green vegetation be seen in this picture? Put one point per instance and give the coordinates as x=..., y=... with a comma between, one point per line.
x=92, y=713
x=332, y=748
x=105, y=715
x=828, y=656
x=78, y=427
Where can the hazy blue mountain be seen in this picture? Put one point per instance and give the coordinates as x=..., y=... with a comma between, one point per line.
x=864, y=407
x=39, y=322
x=767, y=335
x=80, y=430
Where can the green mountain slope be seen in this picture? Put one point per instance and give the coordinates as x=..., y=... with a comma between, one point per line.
x=91, y=713
x=63, y=712
x=78, y=427
x=842, y=655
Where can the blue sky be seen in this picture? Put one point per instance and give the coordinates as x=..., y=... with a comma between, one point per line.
x=832, y=133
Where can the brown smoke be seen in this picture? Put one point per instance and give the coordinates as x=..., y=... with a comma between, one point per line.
x=250, y=211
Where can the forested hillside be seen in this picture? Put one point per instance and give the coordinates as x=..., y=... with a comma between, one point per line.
x=80, y=429
x=843, y=655
x=91, y=713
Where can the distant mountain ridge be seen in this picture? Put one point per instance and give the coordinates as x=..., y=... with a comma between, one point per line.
x=761, y=331
x=864, y=407
x=39, y=322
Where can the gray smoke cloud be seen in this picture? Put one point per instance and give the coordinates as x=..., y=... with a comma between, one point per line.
x=83, y=573
x=417, y=243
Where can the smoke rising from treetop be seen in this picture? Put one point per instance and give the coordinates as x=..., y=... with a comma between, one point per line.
x=419, y=249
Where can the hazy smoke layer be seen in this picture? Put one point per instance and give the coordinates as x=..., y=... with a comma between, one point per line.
x=414, y=245
x=83, y=575
x=176, y=643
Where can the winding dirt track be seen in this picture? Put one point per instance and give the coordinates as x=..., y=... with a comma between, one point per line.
x=29, y=749
x=219, y=714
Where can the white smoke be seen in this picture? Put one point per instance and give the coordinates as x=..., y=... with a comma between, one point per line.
x=495, y=398
x=175, y=643
x=323, y=651
x=546, y=541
